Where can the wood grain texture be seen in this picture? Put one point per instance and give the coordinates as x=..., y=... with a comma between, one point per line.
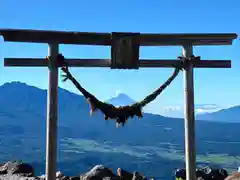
x=189, y=117
x=59, y=37
x=143, y=63
x=125, y=51
x=93, y=38
x=52, y=115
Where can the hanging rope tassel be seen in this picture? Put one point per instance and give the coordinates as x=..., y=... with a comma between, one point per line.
x=120, y=114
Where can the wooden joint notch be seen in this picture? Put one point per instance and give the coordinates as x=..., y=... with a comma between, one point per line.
x=125, y=50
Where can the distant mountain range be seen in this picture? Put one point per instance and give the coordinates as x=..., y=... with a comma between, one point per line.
x=224, y=115
x=29, y=99
x=83, y=140
x=24, y=105
x=121, y=100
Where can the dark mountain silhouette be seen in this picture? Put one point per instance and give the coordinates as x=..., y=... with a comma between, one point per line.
x=25, y=106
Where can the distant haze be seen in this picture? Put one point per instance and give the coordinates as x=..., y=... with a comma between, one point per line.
x=209, y=112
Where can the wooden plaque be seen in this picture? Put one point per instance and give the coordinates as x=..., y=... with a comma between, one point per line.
x=125, y=51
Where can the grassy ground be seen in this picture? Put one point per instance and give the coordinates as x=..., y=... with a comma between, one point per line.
x=146, y=153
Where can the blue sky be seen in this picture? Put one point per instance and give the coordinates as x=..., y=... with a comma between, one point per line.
x=212, y=86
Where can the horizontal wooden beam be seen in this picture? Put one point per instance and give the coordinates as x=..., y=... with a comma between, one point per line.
x=39, y=62
x=59, y=37
x=197, y=64
x=144, y=63
x=91, y=38
x=182, y=39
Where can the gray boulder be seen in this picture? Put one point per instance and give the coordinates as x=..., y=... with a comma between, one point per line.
x=98, y=172
x=15, y=167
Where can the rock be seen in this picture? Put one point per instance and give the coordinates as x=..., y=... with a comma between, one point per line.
x=124, y=174
x=137, y=176
x=180, y=173
x=3, y=170
x=98, y=172
x=43, y=176
x=16, y=177
x=22, y=171
x=75, y=178
x=233, y=176
x=14, y=167
x=59, y=174
x=65, y=178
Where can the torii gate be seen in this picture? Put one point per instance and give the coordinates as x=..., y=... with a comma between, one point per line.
x=124, y=55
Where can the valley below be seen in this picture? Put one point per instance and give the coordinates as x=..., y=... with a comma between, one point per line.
x=153, y=145
x=76, y=155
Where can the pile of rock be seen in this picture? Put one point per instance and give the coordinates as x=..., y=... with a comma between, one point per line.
x=14, y=170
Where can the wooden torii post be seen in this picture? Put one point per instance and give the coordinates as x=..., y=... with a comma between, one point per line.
x=124, y=55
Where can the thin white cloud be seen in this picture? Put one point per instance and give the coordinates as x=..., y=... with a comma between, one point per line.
x=210, y=108
x=172, y=108
x=203, y=111
x=178, y=111
x=172, y=111
x=207, y=108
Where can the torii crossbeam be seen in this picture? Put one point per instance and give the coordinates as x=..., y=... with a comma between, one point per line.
x=124, y=55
